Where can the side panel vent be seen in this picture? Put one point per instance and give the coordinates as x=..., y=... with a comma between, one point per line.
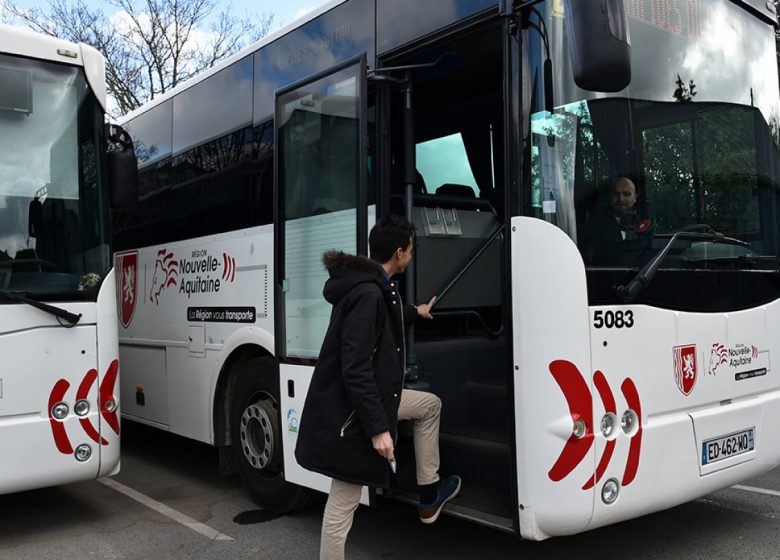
x=15, y=90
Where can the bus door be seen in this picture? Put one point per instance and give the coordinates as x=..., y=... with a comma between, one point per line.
x=321, y=205
x=457, y=207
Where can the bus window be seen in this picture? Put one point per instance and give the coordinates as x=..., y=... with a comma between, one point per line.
x=554, y=153
x=443, y=161
x=319, y=176
x=320, y=134
x=702, y=170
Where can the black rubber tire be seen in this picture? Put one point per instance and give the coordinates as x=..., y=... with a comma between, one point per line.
x=255, y=433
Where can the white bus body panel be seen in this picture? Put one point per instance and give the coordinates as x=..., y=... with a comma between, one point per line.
x=291, y=409
x=550, y=312
x=45, y=363
x=725, y=385
x=189, y=304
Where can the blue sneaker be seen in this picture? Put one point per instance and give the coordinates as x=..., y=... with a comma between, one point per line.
x=448, y=489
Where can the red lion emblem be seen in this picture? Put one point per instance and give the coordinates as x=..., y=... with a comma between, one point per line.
x=166, y=273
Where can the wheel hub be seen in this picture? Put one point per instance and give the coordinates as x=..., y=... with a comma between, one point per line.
x=257, y=435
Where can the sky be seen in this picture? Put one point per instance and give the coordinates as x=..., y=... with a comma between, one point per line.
x=285, y=11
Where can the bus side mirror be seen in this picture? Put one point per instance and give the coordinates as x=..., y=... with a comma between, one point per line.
x=122, y=169
x=599, y=44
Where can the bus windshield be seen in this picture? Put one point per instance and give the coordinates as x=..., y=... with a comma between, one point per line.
x=53, y=213
x=690, y=145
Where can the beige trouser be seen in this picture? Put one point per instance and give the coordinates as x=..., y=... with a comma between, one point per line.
x=425, y=410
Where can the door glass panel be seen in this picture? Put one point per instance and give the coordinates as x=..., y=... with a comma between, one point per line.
x=319, y=179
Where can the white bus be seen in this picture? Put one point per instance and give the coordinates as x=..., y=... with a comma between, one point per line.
x=585, y=380
x=58, y=329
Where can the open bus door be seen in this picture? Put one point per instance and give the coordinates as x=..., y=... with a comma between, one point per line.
x=321, y=204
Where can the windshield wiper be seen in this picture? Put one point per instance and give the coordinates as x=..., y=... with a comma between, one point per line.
x=71, y=318
x=629, y=291
x=738, y=260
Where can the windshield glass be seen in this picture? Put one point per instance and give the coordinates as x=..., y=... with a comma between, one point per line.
x=53, y=236
x=690, y=145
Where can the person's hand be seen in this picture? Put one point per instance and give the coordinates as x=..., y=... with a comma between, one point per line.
x=424, y=309
x=383, y=443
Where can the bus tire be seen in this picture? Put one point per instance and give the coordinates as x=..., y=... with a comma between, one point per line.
x=255, y=430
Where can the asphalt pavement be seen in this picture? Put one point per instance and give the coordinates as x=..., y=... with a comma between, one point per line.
x=169, y=502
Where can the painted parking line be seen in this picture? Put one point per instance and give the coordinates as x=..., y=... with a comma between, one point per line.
x=171, y=513
x=756, y=490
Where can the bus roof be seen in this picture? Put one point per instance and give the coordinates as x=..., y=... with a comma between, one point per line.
x=233, y=58
x=23, y=42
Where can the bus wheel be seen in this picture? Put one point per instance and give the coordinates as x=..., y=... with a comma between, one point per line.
x=256, y=438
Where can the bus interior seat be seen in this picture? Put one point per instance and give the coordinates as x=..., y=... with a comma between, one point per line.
x=422, y=188
x=26, y=261
x=453, y=189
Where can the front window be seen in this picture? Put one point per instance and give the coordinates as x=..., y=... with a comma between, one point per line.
x=53, y=213
x=692, y=141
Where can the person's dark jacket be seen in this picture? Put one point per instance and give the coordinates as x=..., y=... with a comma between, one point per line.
x=356, y=386
x=611, y=238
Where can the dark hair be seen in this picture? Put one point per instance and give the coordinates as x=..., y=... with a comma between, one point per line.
x=389, y=233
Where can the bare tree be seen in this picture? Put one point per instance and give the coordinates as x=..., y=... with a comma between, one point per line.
x=150, y=45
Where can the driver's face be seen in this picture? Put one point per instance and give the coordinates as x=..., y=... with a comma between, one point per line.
x=622, y=196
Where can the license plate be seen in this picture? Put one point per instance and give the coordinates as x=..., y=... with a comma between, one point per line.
x=714, y=450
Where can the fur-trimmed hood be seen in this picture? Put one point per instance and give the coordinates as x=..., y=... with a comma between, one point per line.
x=346, y=271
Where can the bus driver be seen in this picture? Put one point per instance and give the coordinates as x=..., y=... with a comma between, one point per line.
x=620, y=222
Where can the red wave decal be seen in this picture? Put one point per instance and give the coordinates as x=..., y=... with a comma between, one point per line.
x=580, y=402
x=83, y=393
x=228, y=267
x=106, y=393
x=632, y=463
x=57, y=427
x=86, y=383
x=90, y=430
x=609, y=405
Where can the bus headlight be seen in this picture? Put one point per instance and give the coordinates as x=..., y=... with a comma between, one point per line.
x=629, y=422
x=580, y=429
x=610, y=491
x=109, y=405
x=81, y=408
x=608, y=425
x=83, y=452
x=60, y=410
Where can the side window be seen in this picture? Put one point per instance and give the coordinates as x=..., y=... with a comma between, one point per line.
x=553, y=159
x=445, y=168
x=321, y=138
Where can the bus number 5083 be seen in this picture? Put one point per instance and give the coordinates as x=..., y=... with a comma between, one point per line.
x=613, y=319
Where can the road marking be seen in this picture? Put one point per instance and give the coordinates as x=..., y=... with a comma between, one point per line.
x=733, y=508
x=757, y=490
x=177, y=516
